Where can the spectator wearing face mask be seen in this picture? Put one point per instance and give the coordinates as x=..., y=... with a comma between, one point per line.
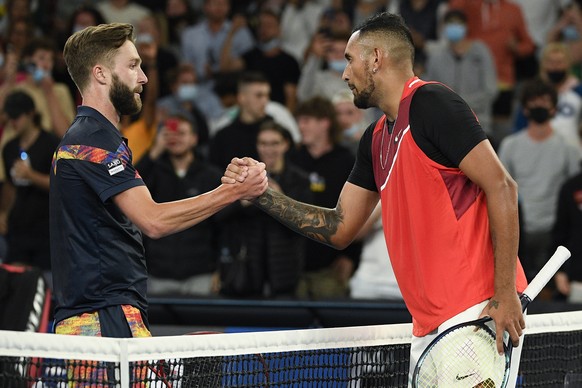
x=322, y=72
x=190, y=98
x=52, y=100
x=466, y=66
x=568, y=30
x=540, y=161
x=277, y=65
x=555, y=68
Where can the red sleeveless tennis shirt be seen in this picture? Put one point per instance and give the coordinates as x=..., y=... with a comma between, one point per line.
x=436, y=226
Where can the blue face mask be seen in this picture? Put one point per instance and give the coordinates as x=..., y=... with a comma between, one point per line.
x=187, y=92
x=270, y=45
x=37, y=73
x=338, y=65
x=570, y=33
x=455, y=32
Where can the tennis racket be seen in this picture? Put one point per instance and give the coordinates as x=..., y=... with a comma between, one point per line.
x=466, y=355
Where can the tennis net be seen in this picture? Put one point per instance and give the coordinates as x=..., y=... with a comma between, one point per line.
x=364, y=356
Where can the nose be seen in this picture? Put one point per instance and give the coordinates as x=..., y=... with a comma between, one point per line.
x=345, y=75
x=141, y=77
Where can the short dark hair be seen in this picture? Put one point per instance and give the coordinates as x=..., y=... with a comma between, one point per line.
x=18, y=103
x=36, y=44
x=251, y=77
x=388, y=25
x=537, y=87
x=455, y=14
x=321, y=108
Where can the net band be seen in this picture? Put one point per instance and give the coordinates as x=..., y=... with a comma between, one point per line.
x=364, y=356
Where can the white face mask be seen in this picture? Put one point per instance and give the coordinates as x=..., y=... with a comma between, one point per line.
x=187, y=92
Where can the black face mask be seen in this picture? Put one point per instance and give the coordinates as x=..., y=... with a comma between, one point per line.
x=539, y=114
x=556, y=77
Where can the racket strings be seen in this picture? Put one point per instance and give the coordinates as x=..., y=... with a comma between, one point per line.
x=465, y=357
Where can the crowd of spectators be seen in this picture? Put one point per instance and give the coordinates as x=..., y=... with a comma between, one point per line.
x=263, y=78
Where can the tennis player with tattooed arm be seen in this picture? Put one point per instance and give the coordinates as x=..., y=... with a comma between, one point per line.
x=99, y=205
x=449, y=208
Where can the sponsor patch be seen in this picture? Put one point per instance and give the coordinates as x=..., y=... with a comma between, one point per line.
x=115, y=166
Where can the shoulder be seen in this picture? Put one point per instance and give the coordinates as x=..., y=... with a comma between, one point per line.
x=435, y=98
x=88, y=131
x=49, y=137
x=193, y=32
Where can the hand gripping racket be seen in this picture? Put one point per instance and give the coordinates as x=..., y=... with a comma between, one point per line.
x=465, y=355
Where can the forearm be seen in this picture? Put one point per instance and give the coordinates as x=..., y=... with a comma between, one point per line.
x=59, y=120
x=172, y=217
x=227, y=61
x=504, y=227
x=317, y=223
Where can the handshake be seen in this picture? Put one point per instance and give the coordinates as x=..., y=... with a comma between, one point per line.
x=248, y=176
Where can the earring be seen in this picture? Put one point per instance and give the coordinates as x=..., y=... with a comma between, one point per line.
x=375, y=70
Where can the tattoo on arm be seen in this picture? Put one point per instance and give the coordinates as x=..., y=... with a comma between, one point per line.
x=494, y=304
x=317, y=223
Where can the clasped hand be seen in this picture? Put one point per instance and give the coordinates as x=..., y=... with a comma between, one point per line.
x=248, y=173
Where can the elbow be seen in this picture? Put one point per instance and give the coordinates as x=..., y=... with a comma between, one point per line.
x=511, y=187
x=152, y=230
x=341, y=243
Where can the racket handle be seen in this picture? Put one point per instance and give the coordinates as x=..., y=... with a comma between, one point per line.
x=547, y=272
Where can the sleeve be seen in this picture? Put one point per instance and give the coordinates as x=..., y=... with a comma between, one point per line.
x=487, y=91
x=107, y=173
x=363, y=171
x=243, y=42
x=525, y=44
x=443, y=125
x=307, y=79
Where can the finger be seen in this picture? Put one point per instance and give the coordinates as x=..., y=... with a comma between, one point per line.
x=499, y=342
x=240, y=161
x=514, y=336
x=250, y=161
x=227, y=180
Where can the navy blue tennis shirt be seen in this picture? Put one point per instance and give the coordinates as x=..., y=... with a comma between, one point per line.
x=97, y=253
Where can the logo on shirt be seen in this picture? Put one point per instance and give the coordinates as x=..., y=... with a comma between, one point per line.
x=115, y=166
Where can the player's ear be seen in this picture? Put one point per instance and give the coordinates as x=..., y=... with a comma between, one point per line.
x=100, y=73
x=377, y=59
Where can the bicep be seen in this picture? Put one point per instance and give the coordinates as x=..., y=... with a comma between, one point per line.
x=137, y=204
x=482, y=166
x=356, y=204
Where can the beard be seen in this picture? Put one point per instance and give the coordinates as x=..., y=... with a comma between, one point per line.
x=363, y=100
x=123, y=98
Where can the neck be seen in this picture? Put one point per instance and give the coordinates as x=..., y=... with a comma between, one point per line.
x=539, y=132
x=460, y=47
x=247, y=118
x=215, y=25
x=316, y=150
x=277, y=167
x=182, y=161
x=29, y=136
x=103, y=105
x=394, y=83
